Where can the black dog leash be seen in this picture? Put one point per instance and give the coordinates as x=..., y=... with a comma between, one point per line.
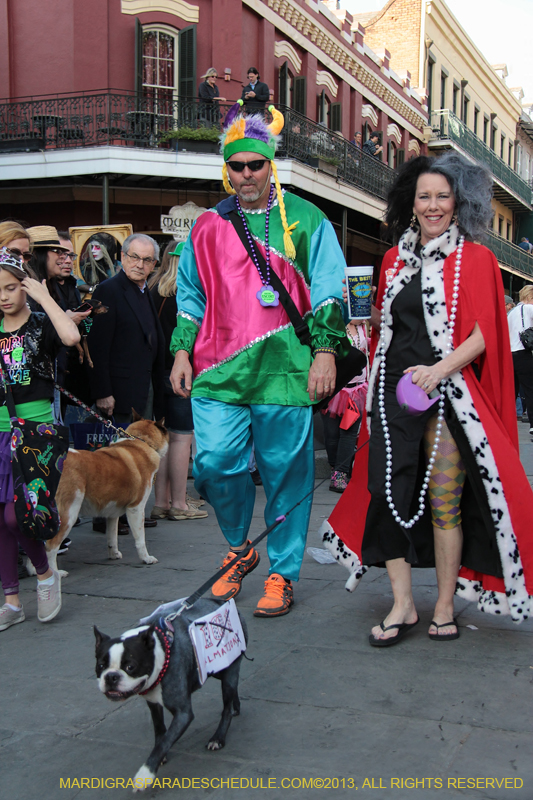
x=191, y=600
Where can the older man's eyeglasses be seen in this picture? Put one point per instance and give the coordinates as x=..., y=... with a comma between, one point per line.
x=147, y=262
x=24, y=255
x=65, y=256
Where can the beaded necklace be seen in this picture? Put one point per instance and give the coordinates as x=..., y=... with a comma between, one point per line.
x=266, y=296
x=440, y=414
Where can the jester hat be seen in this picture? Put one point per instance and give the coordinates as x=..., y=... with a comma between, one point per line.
x=252, y=135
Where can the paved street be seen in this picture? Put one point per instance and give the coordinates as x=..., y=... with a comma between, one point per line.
x=317, y=701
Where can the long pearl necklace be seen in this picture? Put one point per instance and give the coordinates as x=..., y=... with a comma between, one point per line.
x=443, y=384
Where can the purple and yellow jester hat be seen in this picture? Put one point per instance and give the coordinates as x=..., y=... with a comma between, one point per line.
x=253, y=135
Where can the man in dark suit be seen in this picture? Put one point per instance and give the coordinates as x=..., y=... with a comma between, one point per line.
x=255, y=94
x=127, y=344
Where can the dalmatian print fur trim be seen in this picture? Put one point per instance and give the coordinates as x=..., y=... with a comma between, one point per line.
x=516, y=602
x=343, y=555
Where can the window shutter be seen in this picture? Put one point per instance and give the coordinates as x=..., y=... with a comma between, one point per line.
x=187, y=63
x=138, y=56
x=336, y=116
x=400, y=157
x=300, y=94
x=283, y=75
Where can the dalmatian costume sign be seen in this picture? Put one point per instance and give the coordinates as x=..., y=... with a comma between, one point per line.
x=218, y=639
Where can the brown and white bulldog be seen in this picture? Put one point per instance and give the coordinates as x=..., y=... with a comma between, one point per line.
x=110, y=482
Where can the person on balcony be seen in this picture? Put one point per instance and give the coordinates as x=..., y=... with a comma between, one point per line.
x=253, y=379
x=255, y=94
x=526, y=245
x=444, y=488
x=372, y=145
x=209, y=111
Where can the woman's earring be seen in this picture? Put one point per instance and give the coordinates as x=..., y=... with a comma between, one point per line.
x=454, y=218
x=414, y=222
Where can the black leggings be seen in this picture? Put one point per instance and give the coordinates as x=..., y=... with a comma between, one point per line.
x=340, y=444
x=523, y=376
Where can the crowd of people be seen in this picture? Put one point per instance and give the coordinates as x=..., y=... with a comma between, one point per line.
x=239, y=333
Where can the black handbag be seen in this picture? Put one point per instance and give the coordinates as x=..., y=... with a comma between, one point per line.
x=526, y=335
x=38, y=453
x=352, y=364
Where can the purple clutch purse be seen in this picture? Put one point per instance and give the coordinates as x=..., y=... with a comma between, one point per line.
x=412, y=398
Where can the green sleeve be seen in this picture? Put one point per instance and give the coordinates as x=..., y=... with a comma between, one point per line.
x=183, y=336
x=329, y=330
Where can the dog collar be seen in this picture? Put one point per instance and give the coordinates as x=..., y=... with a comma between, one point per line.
x=165, y=634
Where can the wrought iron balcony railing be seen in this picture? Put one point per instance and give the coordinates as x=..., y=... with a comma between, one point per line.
x=445, y=125
x=510, y=254
x=112, y=118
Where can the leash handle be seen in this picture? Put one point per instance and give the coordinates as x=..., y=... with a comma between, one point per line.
x=107, y=422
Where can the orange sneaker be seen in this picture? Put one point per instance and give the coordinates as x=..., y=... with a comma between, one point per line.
x=229, y=585
x=278, y=597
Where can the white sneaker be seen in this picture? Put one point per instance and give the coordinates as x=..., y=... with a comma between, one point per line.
x=8, y=617
x=49, y=599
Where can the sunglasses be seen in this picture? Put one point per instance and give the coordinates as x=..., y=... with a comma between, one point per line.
x=26, y=256
x=253, y=166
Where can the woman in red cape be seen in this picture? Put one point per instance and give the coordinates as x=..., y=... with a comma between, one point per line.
x=445, y=488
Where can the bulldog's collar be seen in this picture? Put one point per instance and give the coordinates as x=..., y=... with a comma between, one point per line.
x=165, y=634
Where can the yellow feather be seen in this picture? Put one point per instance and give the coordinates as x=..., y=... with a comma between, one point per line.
x=235, y=131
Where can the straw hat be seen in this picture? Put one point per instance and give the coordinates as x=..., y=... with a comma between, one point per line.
x=45, y=236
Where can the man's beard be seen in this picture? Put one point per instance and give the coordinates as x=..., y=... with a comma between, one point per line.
x=251, y=197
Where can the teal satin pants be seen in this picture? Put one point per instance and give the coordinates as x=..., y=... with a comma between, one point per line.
x=283, y=438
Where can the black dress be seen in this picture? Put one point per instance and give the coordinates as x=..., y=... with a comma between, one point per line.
x=384, y=539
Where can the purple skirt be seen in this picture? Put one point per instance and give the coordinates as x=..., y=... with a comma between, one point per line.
x=6, y=474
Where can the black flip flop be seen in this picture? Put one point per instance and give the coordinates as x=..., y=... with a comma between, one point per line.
x=445, y=637
x=402, y=627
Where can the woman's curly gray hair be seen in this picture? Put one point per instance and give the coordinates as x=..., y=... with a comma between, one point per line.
x=470, y=183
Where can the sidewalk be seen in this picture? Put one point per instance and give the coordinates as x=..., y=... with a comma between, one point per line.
x=317, y=701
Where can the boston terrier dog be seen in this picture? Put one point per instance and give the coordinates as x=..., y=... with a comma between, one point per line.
x=157, y=660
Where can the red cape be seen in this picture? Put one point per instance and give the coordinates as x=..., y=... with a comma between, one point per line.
x=481, y=299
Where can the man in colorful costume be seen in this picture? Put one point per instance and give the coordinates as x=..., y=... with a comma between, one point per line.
x=253, y=379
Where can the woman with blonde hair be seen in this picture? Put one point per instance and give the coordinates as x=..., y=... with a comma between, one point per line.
x=171, y=500
x=520, y=318
x=17, y=240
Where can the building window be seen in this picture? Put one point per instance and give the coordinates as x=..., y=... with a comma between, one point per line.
x=502, y=146
x=510, y=162
x=465, y=110
x=509, y=230
x=430, y=87
x=493, y=129
x=476, y=119
x=455, y=99
x=500, y=226
x=443, y=90
x=486, y=129
x=159, y=63
x=519, y=159
x=323, y=109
